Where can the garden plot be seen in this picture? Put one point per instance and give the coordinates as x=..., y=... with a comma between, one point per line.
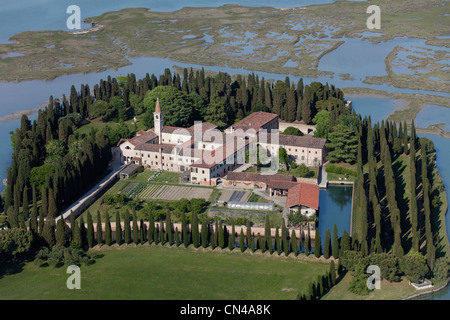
x=153, y=191
x=234, y=195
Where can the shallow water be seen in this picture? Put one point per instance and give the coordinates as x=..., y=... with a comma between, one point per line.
x=433, y=114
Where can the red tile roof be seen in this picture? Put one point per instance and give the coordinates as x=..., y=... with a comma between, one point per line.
x=255, y=120
x=304, y=194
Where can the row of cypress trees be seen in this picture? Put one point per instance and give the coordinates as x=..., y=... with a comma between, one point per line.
x=380, y=221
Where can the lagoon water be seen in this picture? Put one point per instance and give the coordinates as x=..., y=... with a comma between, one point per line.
x=24, y=15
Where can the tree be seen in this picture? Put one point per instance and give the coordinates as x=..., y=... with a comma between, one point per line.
x=184, y=230
x=343, y=144
x=49, y=234
x=358, y=284
x=127, y=228
x=135, y=228
x=221, y=236
x=204, y=234
x=294, y=247
x=317, y=244
x=15, y=242
x=322, y=120
x=118, y=229
x=176, y=105
x=241, y=241
x=335, y=246
x=195, y=232
x=267, y=234
x=414, y=266
x=292, y=131
x=332, y=273
x=151, y=227
x=327, y=245
x=169, y=228
x=90, y=230
x=107, y=230
x=284, y=239
x=99, y=231
x=61, y=233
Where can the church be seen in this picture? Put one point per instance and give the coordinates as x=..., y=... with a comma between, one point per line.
x=203, y=154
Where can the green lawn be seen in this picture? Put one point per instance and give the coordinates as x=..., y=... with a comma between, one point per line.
x=156, y=272
x=388, y=291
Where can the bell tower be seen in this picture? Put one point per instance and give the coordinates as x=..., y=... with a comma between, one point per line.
x=158, y=120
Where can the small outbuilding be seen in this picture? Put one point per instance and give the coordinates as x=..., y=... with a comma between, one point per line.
x=128, y=171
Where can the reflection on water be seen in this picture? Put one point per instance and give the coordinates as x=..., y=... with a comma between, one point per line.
x=335, y=208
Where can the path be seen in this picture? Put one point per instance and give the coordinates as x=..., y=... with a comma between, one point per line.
x=322, y=179
x=92, y=195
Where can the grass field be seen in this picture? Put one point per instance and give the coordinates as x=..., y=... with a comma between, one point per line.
x=156, y=272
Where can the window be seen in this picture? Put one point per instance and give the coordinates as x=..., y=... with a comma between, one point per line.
x=128, y=148
x=316, y=152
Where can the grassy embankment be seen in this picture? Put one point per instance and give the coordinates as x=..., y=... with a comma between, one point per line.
x=163, y=273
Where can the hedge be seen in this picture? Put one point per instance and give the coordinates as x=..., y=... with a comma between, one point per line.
x=340, y=170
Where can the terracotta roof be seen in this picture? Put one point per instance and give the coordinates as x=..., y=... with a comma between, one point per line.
x=305, y=194
x=158, y=107
x=285, y=185
x=151, y=147
x=296, y=141
x=258, y=177
x=220, y=154
x=145, y=137
x=255, y=120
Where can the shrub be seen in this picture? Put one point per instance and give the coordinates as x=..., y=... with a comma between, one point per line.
x=340, y=170
x=441, y=269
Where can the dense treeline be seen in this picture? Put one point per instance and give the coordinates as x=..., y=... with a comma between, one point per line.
x=52, y=164
x=384, y=219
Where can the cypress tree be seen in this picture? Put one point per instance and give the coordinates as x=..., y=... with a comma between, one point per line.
x=127, y=228
x=413, y=212
x=221, y=236
x=332, y=273
x=41, y=221
x=76, y=235
x=204, y=234
x=216, y=234
x=135, y=228
x=72, y=223
x=169, y=228
x=241, y=241
x=317, y=244
x=184, y=230
x=151, y=227
x=142, y=231
x=294, y=247
x=335, y=246
x=195, y=232
x=252, y=244
x=25, y=205
x=327, y=245
x=267, y=234
x=162, y=238
x=249, y=233
x=277, y=241
x=177, y=237
x=260, y=244
x=61, y=232
x=90, y=230
x=99, y=231
x=83, y=233
x=44, y=201
x=284, y=239
x=107, y=230
x=118, y=229
x=308, y=242
x=232, y=239
x=49, y=234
